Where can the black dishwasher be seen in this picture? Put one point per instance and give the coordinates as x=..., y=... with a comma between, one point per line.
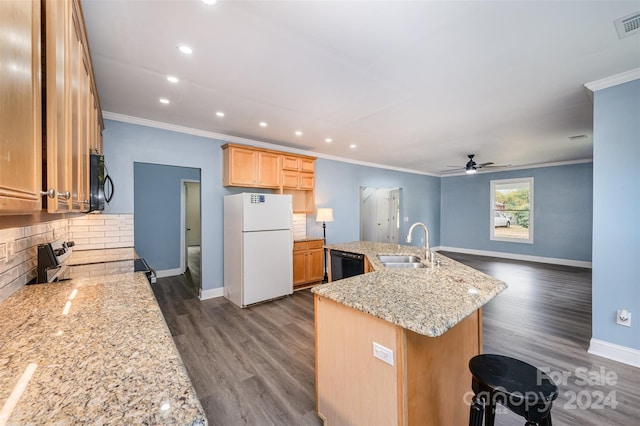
x=345, y=264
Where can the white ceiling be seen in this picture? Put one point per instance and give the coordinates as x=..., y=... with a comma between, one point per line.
x=416, y=85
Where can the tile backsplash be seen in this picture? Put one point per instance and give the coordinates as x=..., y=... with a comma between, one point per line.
x=299, y=225
x=19, y=246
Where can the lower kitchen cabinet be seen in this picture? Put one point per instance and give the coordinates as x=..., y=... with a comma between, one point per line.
x=308, y=262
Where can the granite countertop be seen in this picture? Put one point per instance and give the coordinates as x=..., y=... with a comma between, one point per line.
x=428, y=301
x=92, y=351
x=302, y=239
x=85, y=257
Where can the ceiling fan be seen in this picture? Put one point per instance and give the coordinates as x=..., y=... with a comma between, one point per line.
x=472, y=167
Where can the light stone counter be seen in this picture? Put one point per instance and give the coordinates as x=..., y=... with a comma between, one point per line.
x=428, y=301
x=303, y=239
x=99, y=352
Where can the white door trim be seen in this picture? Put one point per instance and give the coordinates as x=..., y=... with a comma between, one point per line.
x=183, y=223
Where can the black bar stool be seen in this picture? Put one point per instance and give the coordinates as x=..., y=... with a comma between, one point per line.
x=518, y=386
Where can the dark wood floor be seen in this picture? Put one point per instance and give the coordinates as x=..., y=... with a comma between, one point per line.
x=256, y=366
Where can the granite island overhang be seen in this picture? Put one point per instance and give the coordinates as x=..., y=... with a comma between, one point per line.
x=429, y=320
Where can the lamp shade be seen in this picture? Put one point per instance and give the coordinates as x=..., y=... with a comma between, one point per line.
x=324, y=215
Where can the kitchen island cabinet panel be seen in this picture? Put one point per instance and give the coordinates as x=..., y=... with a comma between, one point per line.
x=425, y=385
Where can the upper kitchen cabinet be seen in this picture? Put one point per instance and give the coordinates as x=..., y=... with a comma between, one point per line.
x=250, y=167
x=285, y=173
x=72, y=114
x=298, y=172
x=49, y=108
x=20, y=107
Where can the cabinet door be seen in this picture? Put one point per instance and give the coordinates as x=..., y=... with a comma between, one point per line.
x=315, y=265
x=242, y=166
x=58, y=18
x=20, y=108
x=269, y=169
x=307, y=165
x=79, y=151
x=290, y=179
x=290, y=163
x=307, y=181
x=299, y=267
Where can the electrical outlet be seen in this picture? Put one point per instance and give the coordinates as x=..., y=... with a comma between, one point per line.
x=623, y=317
x=406, y=218
x=383, y=353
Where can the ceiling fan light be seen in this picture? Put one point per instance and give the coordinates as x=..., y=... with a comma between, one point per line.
x=470, y=170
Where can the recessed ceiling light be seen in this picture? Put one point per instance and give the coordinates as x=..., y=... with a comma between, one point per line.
x=298, y=133
x=209, y=2
x=220, y=114
x=172, y=79
x=328, y=140
x=263, y=124
x=185, y=49
x=353, y=146
x=164, y=100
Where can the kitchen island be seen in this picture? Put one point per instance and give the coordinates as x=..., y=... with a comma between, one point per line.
x=429, y=324
x=91, y=350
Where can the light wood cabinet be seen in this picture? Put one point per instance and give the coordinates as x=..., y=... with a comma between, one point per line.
x=73, y=117
x=249, y=167
x=289, y=174
x=66, y=128
x=269, y=169
x=298, y=172
x=308, y=262
x=20, y=107
x=426, y=384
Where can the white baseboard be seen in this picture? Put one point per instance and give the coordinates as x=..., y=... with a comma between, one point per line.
x=525, y=257
x=212, y=293
x=615, y=352
x=168, y=273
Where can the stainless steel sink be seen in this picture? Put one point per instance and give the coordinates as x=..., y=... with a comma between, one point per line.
x=414, y=265
x=398, y=259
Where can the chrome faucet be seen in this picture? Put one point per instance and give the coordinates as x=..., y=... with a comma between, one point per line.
x=427, y=251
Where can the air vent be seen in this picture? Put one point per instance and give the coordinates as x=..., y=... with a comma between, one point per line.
x=628, y=25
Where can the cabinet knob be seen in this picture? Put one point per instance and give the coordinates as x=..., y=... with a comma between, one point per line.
x=51, y=193
x=64, y=195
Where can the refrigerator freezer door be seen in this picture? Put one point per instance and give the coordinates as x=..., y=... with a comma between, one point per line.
x=267, y=265
x=266, y=211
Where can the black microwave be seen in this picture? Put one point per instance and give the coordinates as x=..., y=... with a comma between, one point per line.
x=96, y=182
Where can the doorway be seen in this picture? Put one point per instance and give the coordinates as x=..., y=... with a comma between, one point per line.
x=379, y=214
x=190, y=221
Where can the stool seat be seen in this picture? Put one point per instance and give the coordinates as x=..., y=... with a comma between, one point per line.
x=520, y=387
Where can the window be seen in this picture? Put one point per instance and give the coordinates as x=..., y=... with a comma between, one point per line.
x=512, y=210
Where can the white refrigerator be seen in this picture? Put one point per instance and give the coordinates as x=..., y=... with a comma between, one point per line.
x=258, y=247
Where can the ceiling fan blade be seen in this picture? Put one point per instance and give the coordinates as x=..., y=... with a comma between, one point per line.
x=458, y=169
x=484, y=164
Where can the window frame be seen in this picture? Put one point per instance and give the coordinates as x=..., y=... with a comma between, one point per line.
x=492, y=210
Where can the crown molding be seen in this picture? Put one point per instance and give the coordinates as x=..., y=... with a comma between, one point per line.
x=258, y=144
x=614, y=80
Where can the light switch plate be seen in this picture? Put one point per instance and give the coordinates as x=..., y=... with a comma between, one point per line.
x=383, y=353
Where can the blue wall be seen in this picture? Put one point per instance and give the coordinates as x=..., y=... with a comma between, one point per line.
x=616, y=228
x=338, y=186
x=125, y=144
x=562, y=212
x=157, y=198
